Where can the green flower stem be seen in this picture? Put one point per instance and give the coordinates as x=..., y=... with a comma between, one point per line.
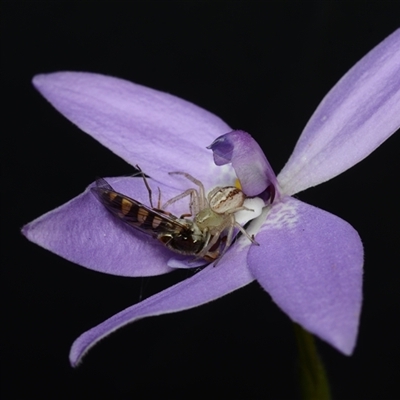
x=313, y=379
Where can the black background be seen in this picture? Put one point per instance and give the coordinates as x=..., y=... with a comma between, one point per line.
x=262, y=68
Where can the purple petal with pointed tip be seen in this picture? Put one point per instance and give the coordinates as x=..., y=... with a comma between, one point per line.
x=356, y=116
x=83, y=232
x=248, y=160
x=310, y=262
x=209, y=284
x=156, y=130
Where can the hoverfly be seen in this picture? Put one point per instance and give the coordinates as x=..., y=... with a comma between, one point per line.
x=180, y=235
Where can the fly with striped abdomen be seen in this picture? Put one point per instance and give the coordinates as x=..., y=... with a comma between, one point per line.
x=180, y=235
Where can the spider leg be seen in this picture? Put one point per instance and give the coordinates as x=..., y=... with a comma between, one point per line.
x=201, y=192
x=193, y=200
x=231, y=224
x=210, y=242
x=251, y=238
x=234, y=210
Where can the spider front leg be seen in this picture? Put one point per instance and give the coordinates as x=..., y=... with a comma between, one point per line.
x=202, y=200
x=193, y=201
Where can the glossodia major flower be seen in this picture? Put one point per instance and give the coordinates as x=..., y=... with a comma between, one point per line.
x=309, y=260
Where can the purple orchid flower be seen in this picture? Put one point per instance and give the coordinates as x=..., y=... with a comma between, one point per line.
x=309, y=261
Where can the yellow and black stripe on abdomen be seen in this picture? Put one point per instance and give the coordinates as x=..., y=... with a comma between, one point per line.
x=135, y=213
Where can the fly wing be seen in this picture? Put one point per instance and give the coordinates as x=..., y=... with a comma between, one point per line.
x=139, y=216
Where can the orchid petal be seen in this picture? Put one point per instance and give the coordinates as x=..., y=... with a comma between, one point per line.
x=310, y=262
x=248, y=160
x=356, y=116
x=156, y=130
x=209, y=284
x=83, y=232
